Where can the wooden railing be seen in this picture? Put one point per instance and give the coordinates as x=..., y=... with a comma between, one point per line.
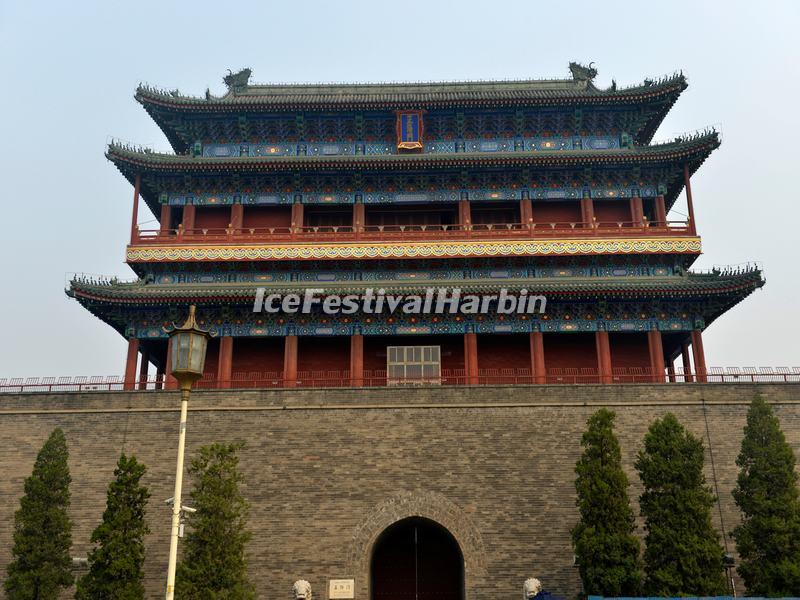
x=333, y=379
x=378, y=233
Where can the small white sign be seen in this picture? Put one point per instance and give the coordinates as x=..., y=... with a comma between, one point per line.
x=342, y=589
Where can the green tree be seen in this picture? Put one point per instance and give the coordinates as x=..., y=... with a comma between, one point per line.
x=683, y=554
x=768, y=539
x=213, y=566
x=41, y=563
x=605, y=545
x=115, y=565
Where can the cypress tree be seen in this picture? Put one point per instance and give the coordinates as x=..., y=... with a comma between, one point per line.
x=115, y=565
x=213, y=565
x=41, y=564
x=683, y=555
x=768, y=539
x=606, y=548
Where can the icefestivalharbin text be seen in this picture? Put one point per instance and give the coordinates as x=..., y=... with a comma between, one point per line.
x=433, y=301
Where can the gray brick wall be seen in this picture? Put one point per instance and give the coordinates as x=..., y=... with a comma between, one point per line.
x=327, y=470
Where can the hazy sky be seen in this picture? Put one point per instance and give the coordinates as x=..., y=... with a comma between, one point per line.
x=70, y=69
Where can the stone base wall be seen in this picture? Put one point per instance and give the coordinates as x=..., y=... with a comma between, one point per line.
x=328, y=470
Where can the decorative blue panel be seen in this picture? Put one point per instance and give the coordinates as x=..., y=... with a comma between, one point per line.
x=324, y=198
x=440, y=147
x=502, y=194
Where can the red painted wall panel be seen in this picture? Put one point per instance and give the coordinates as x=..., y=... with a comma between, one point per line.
x=212, y=217
x=557, y=212
x=504, y=351
x=629, y=350
x=267, y=216
x=257, y=355
x=323, y=354
x=570, y=350
x=612, y=211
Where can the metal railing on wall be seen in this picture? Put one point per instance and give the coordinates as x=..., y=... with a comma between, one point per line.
x=378, y=378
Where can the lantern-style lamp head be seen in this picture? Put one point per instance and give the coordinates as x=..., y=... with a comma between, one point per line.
x=188, y=345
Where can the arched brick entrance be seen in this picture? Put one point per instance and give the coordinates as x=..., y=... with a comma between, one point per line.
x=416, y=559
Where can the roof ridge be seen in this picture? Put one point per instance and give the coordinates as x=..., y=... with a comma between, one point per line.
x=154, y=90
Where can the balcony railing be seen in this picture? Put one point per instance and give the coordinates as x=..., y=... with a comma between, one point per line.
x=379, y=233
x=334, y=379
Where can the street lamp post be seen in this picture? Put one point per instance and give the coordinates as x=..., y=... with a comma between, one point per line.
x=188, y=345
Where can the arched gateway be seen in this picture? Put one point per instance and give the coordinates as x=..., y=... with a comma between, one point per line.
x=416, y=559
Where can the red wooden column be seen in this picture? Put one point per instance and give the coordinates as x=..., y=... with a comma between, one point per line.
x=603, y=356
x=471, y=358
x=526, y=211
x=297, y=216
x=587, y=211
x=129, y=382
x=170, y=383
x=137, y=187
x=225, y=363
x=699, y=356
x=661, y=211
x=166, y=218
x=537, y=357
x=357, y=360
x=237, y=215
x=464, y=214
x=687, y=363
x=143, y=367
x=188, y=216
x=159, y=377
x=689, y=202
x=290, y=361
x=359, y=219
x=637, y=211
x=671, y=371
x=656, y=355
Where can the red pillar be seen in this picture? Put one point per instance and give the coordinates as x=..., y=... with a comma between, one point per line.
x=237, y=216
x=359, y=219
x=687, y=363
x=689, y=202
x=587, y=211
x=188, y=217
x=464, y=214
x=661, y=212
x=130, y=364
x=656, y=355
x=603, y=356
x=637, y=211
x=471, y=358
x=225, y=364
x=699, y=356
x=297, y=216
x=526, y=211
x=166, y=218
x=143, y=367
x=290, y=361
x=159, y=377
x=356, y=360
x=137, y=186
x=671, y=371
x=170, y=383
x=537, y=357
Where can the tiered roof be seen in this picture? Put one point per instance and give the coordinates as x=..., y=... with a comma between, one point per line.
x=652, y=98
x=725, y=288
x=691, y=150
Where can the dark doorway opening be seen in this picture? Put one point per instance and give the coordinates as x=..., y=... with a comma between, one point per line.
x=417, y=559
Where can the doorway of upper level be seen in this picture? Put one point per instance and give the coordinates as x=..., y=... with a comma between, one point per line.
x=417, y=559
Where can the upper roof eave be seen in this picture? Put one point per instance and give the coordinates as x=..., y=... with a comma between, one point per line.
x=696, y=147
